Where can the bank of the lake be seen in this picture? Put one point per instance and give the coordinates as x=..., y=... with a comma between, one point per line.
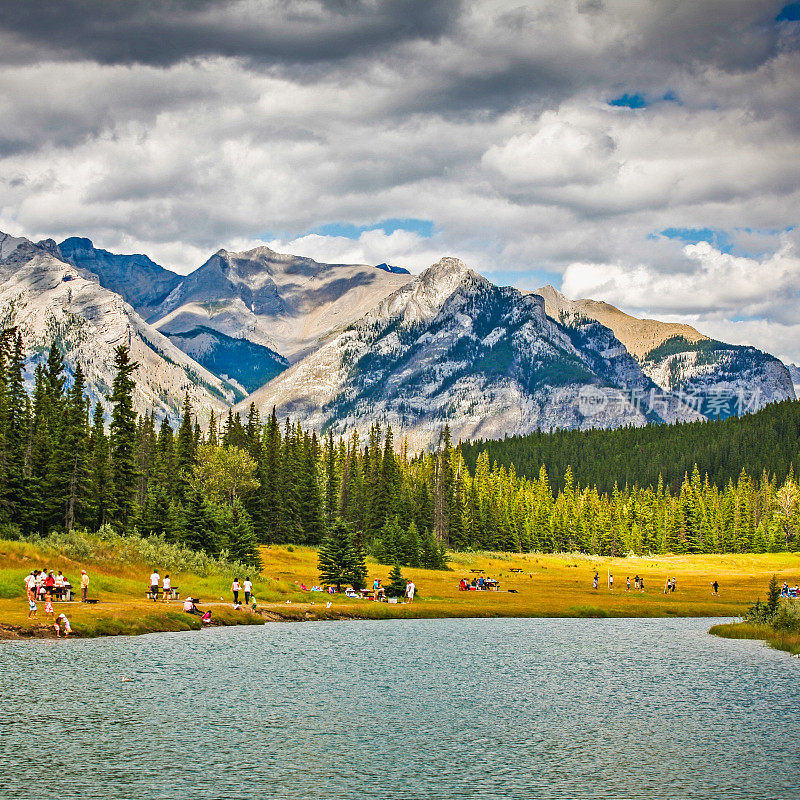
x=531, y=585
x=780, y=640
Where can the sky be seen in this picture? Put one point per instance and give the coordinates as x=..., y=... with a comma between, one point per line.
x=642, y=153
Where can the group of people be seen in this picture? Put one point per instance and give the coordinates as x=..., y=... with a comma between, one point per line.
x=638, y=582
x=190, y=607
x=166, y=586
x=479, y=584
x=790, y=591
x=245, y=586
x=379, y=593
x=43, y=586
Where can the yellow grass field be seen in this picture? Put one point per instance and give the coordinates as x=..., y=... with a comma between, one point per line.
x=547, y=586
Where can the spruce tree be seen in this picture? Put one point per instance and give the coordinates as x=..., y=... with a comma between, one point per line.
x=123, y=439
x=341, y=560
x=397, y=583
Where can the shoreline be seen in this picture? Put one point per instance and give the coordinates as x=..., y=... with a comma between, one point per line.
x=170, y=621
x=532, y=585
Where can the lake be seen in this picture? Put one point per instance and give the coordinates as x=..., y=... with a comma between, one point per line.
x=399, y=710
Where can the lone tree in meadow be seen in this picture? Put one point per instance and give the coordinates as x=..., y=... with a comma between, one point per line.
x=341, y=558
x=397, y=583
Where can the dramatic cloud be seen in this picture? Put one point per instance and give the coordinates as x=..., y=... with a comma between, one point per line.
x=648, y=153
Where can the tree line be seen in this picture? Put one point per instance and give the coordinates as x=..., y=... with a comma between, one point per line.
x=239, y=483
x=765, y=441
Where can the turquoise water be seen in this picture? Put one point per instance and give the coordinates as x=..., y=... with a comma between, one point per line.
x=402, y=709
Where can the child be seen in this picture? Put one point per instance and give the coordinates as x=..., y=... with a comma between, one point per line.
x=31, y=609
x=62, y=623
x=48, y=607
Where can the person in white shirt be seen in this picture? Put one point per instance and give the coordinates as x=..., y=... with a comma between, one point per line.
x=248, y=590
x=154, y=580
x=235, y=587
x=30, y=585
x=410, y=589
x=167, y=589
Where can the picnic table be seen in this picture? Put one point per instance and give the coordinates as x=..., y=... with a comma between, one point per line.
x=57, y=593
x=173, y=594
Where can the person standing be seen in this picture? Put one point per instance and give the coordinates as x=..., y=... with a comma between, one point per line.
x=715, y=587
x=628, y=583
x=235, y=588
x=167, y=587
x=84, y=586
x=410, y=589
x=610, y=582
x=595, y=580
x=31, y=608
x=30, y=584
x=672, y=587
x=154, y=581
x=248, y=590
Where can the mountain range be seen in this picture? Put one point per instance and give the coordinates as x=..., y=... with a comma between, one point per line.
x=342, y=346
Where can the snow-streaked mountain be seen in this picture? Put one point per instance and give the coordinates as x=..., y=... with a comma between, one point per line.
x=141, y=282
x=50, y=300
x=716, y=377
x=287, y=303
x=450, y=347
x=794, y=372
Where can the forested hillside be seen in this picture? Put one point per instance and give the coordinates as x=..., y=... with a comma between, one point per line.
x=768, y=440
x=244, y=482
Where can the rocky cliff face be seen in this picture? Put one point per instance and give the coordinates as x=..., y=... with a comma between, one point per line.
x=139, y=280
x=286, y=303
x=717, y=379
x=51, y=300
x=451, y=348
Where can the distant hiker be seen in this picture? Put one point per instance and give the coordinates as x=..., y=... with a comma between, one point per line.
x=595, y=580
x=410, y=589
x=672, y=585
x=611, y=582
x=31, y=608
x=167, y=585
x=641, y=584
x=84, y=586
x=248, y=590
x=235, y=588
x=628, y=583
x=62, y=624
x=636, y=582
x=714, y=587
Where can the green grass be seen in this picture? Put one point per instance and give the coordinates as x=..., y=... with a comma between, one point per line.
x=788, y=642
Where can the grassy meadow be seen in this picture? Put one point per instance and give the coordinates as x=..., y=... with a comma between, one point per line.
x=546, y=586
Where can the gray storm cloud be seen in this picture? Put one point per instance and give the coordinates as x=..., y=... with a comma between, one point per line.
x=176, y=128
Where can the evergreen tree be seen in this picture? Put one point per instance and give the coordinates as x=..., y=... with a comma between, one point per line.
x=397, y=583
x=341, y=559
x=123, y=439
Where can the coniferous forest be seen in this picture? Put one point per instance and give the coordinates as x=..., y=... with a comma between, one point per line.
x=238, y=483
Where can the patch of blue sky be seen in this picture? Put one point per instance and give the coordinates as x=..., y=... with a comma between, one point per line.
x=719, y=239
x=626, y=100
x=789, y=13
x=638, y=100
x=422, y=227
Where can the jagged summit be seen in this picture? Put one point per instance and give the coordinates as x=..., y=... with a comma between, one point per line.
x=137, y=278
x=287, y=303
